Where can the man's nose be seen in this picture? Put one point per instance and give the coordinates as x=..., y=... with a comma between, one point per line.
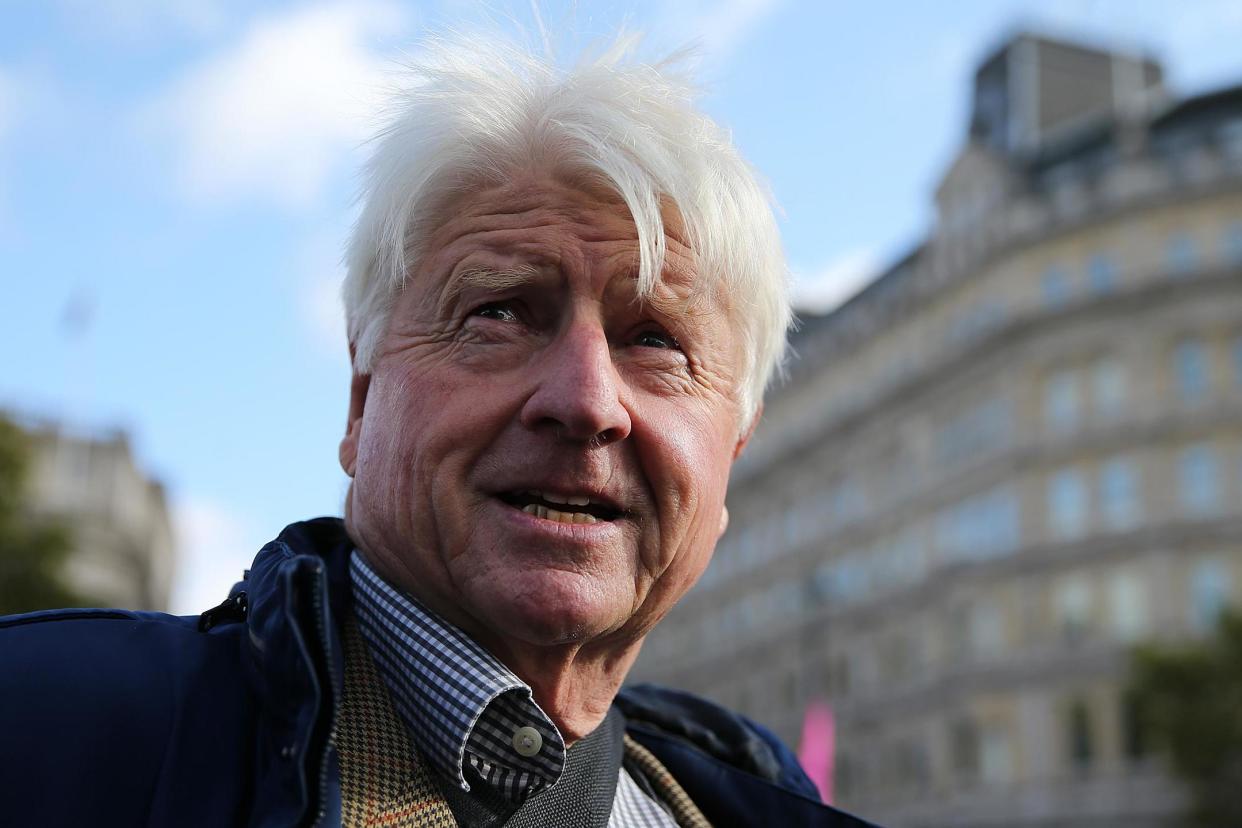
x=578, y=389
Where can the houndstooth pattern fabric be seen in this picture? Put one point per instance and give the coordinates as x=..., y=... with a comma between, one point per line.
x=462, y=702
x=422, y=661
x=382, y=781
x=383, y=784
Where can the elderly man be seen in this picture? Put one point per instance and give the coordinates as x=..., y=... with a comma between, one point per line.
x=565, y=297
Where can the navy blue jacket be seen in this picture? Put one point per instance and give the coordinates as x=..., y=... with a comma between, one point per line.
x=109, y=717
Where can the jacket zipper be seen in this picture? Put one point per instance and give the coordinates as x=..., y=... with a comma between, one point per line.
x=325, y=643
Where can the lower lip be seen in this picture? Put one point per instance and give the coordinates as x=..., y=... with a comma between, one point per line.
x=582, y=532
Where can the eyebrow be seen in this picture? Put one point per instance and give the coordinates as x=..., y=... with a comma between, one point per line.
x=680, y=301
x=669, y=307
x=487, y=279
x=500, y=279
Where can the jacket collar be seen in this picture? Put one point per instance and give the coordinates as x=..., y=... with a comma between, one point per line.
x=298, y=595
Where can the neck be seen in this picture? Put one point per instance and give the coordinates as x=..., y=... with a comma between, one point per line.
x=573, y=683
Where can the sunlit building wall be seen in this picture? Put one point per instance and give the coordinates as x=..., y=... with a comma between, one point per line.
x=1011, y=457
x=123, y=548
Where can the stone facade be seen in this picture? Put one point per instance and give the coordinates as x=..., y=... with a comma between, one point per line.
x=122, y=535
x=1012, y=456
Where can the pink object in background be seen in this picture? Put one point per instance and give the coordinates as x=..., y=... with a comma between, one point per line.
x=816, y=750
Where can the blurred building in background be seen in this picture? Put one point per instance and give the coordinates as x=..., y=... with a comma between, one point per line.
x=118, y=518
x=1014, y=454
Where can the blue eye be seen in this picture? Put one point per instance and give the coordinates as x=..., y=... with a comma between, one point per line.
x=657, y=339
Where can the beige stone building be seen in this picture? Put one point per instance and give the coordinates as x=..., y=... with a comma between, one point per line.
x=1014, y=454
x=122, y=535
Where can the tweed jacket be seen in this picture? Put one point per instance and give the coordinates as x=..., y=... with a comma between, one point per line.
x=111, y=717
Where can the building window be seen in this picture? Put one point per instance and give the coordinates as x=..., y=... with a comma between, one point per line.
x=957, y=633
x=1065, y=185
x=1061, y=403
x=844, y=580
x=1078, y=734
x=1072, y=607
x=1108, y=388
x=1233, y=243
x=1119, y=493
x=964, y=749
x=913, y=765
x=1210, y=586
x=975, y=432
x=846, y=501
x=996, y=756
x=1190, y=367
x=1181, y=256
x=894, y=658
x=1056, y=287
x=1101, y=274
x=1067, y=504
x=1198, y=479
x=980, y=527
x=1231, y=140
x=1127, y=605
x=977, y=321
x=987, y=631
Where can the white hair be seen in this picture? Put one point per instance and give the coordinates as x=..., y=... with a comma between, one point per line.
x=477, y=111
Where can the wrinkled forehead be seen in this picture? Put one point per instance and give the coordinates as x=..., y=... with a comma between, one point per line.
x=510, y=216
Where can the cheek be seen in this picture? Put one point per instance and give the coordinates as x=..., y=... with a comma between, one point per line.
x=397, y=424
x=428, y=428
x=688, y=468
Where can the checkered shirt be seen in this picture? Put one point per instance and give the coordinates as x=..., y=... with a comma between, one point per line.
x=464, y=707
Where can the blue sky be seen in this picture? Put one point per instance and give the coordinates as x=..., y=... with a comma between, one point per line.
x=176, y=182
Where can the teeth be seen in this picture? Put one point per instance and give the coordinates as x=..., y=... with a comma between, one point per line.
x=560, y=517
x=570, y=500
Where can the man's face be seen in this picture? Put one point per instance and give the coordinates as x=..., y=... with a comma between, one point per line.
x=539, y=456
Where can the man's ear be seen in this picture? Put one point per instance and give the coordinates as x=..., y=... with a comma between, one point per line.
x=353, y=427
x=744, y=437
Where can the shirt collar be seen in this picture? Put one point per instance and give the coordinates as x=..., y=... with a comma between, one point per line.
x=466, y=711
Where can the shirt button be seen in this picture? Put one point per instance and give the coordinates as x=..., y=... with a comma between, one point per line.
x=527, y=741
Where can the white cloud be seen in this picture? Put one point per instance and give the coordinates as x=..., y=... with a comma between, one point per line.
x=826, y=288
x=214, y=547
x=278, y=113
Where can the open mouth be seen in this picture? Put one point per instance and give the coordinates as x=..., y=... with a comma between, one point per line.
x=561, y=508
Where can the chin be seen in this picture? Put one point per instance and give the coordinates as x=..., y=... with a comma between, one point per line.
x=550, y=610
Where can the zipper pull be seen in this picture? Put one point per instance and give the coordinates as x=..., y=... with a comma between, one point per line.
x=233, y=609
